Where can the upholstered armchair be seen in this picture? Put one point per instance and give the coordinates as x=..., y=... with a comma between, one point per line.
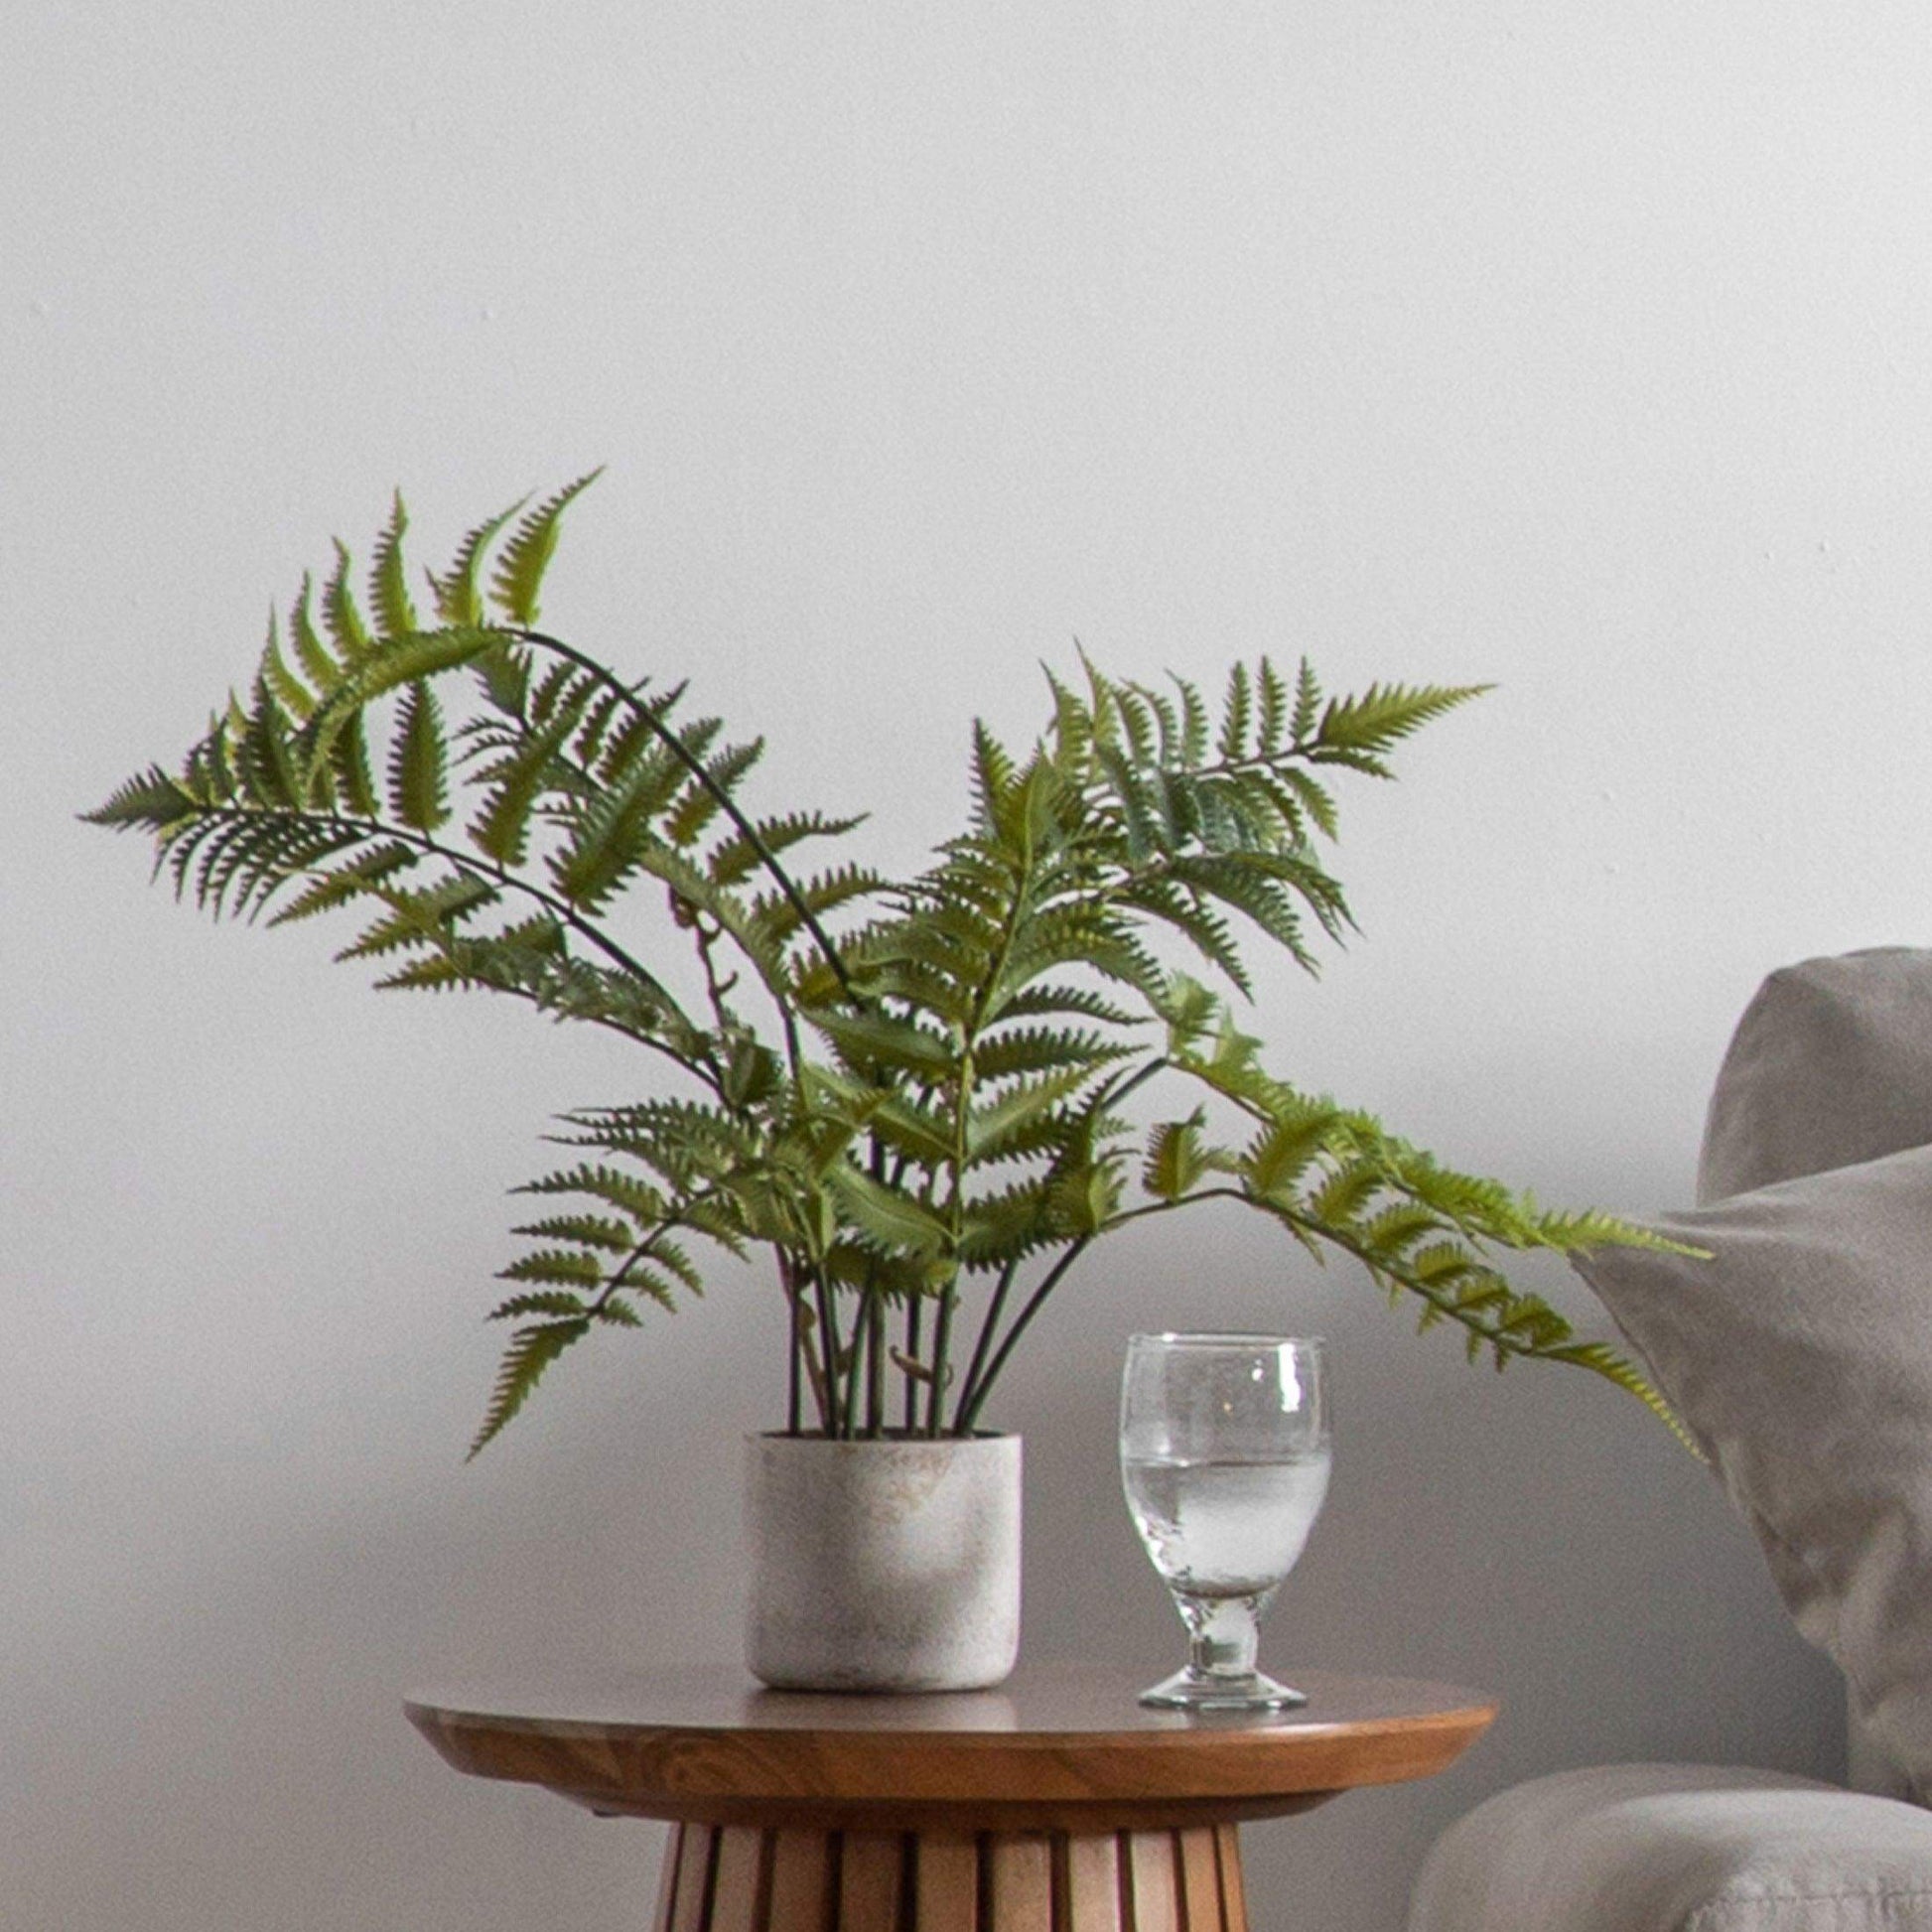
x=1800, y=1356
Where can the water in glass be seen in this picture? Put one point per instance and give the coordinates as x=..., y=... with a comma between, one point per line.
x=1224, y=1458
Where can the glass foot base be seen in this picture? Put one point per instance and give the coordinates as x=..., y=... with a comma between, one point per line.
x=1192, y=1690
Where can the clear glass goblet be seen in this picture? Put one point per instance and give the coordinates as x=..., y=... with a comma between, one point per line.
x=1225, y=1458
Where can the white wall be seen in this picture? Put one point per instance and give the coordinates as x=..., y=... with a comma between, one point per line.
x=1583, y=348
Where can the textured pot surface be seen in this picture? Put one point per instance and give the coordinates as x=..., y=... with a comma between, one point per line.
x=883, y=1566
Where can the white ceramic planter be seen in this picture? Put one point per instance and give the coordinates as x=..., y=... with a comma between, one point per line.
x=883, y=1566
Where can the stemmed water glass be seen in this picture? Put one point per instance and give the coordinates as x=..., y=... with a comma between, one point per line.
x=1225, y=1458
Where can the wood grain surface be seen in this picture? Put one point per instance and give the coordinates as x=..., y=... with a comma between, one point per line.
x=734, y=1878
x=1059, y=1748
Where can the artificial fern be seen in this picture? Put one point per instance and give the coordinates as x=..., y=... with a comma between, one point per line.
x=914, y=1093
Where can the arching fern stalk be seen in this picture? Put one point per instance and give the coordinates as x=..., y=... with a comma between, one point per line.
x=915, y=1094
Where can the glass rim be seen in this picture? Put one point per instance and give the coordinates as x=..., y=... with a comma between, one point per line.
x=1185, y=1339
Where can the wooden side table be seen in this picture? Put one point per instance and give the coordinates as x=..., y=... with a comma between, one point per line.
x=1053, y=1804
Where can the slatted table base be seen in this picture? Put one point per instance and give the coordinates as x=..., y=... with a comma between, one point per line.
x=738, y=1878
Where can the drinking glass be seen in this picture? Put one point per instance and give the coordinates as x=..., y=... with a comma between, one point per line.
x=1225, y=1458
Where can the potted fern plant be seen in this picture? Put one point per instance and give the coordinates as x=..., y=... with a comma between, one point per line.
x=923, y=1099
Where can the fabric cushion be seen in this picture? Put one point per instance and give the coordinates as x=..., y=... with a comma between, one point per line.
x=1800, y=1356
x=1679, y=1847
x=1831, y=1066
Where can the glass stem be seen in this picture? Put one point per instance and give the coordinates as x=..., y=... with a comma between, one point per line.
x=1222, y=1634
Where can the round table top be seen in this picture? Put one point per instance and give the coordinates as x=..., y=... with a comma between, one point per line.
x=1056, y=1742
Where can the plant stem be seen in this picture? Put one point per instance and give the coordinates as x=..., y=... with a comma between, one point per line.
x=941, y=1348
x=994, y=1307
x=972, y=1400
x=854, y=1368
x=794, y=1356
x=828, y=1354
x=915, y=1325
x=876, y=1368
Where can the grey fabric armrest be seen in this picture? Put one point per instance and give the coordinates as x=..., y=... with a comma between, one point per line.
x=1679, y=1847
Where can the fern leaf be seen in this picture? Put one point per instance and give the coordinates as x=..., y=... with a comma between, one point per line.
x=317, y=666
x=518, y=576
x=552, y=1303
x=992, y=776
x=626, y=1193
x=1605, y=1362
x=1307, y=704
x=1237, y=713
x=1296, y=791
x=419, y=917
x=1384, y=714
x=612, y=836
x=291, y=694
x=1040, y=1050
x=150, y=802
x=735, y=857
x=1343, y=1196
x=395, y=614
x=1194, y=725
x=555, y=1268
x=776, y=917
x=529, y=1354
x=350, y=880
x=459, y=592
x=1282, y=1153
x=501, y=830
x=349, y=764
x=1012, y=1123
x=878, y=1038
x=1042, y=1000
x=1176, y=1159
x=341, y=613
x=419, y=792
x=1273, y=709
x=271, y=773
x=886, y=1215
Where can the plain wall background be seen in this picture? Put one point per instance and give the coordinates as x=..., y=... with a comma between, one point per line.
x=1581, y=348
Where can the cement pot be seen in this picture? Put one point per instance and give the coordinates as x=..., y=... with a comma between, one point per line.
x=889, y=1565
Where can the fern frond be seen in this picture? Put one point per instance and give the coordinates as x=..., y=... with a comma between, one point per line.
x=613, y=834
x=736, y=856
x=529, y=1354
x=419, y=789
x=291, y=695
x=1307, y=703
x=1381, y=717
x=371, y=868
x=395, y=614
x=557, y=1267
x=1602, y=1360
x=520, y=565
x=319, y=667
x=501, y=830
x=544, y=1302
x=1175, y=1158
x=421, y=916
x=1023, y=1119
x=1237, y=713
x=705, y=798
x=1273, y=709
x=459, y=591
x=341, y=613
x=150, y=802
x=595, y=1231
